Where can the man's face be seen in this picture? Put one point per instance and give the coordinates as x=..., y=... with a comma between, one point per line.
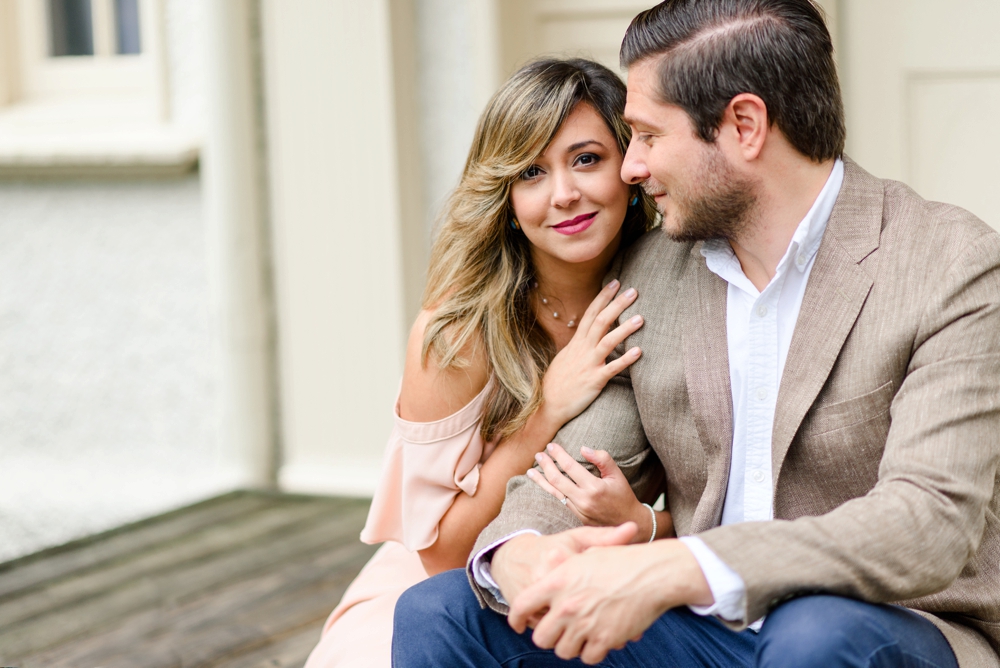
x=699, y=193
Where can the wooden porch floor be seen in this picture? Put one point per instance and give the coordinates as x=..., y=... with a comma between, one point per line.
x=243, y=580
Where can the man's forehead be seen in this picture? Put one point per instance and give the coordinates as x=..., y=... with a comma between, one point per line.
x=642, y=102
x=643, y=77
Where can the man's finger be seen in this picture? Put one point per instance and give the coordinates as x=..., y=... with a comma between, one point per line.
x=571, y=641
x=549, y=631
x=586, y=537
x=530, y=602
x=593, y=653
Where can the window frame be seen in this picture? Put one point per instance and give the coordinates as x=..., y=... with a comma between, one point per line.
x=106, y=114
x=45, y=77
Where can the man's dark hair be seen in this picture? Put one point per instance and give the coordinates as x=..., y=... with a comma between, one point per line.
x=713, y=50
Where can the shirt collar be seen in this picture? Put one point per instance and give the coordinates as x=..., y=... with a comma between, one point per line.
x=721, y=259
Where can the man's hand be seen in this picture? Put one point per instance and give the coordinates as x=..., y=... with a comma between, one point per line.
x=599, y=599
x=522, y=561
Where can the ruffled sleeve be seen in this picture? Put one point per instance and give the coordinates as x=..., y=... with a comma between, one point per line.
x=426, y=465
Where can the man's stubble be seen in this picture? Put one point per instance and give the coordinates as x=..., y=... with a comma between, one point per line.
x=721, y=207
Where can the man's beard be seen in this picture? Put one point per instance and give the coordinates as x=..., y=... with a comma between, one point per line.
x=721, y=207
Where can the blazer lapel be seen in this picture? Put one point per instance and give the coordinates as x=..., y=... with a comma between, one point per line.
x=835, y=294
x=706, y=370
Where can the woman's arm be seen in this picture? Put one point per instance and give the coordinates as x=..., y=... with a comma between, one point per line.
x=574, y=379
x=468, y=515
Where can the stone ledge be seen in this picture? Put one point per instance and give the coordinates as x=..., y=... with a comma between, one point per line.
x=127, y=154
x=116, y=138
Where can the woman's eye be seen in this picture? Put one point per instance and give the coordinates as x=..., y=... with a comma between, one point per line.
x=531, y=172
x=588, y=159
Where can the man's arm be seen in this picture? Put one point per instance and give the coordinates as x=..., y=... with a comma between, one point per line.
x=913, y=534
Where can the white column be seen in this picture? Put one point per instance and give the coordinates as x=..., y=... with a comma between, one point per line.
x=336, y=211
x=8, y=52
x=236, y=220
x=459, y=70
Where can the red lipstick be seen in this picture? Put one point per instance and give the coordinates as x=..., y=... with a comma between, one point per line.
x=575, y=225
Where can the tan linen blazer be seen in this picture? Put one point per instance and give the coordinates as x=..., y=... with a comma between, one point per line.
x=887, y=429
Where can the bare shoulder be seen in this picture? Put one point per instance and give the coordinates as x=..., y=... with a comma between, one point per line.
x=431, y=393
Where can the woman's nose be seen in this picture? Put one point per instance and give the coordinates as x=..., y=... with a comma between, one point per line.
x=565, y=191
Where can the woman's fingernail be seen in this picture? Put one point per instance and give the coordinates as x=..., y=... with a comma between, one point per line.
x=530, y=473
x=587, y=451
x=630, y=293
x=637, y=320
x=635, y=351
x=613, y=285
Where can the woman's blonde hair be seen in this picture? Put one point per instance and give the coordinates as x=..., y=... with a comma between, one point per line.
x=481, y=268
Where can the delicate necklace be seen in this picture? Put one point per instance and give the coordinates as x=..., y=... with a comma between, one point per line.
x=546, y=302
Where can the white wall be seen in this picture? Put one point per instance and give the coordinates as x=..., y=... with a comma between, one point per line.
x=107, y=371
x=921, y=86
x=108, y=367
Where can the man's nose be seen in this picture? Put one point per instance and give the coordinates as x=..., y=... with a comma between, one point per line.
x=565, y=191
x=634, y=169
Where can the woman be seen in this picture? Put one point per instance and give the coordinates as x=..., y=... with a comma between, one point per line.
x=513, y=339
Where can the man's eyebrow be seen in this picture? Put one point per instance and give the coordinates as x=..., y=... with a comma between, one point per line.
x=636, y=122
x=586, y=142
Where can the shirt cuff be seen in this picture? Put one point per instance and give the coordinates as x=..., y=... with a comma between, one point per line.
x=481, y=565
x=728, y=588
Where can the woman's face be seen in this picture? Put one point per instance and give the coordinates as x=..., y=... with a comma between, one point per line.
x=571, y=202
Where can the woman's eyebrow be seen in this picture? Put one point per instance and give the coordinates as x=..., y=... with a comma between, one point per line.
x=580, y=144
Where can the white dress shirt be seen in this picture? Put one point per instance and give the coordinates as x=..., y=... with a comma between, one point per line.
x=759, y=328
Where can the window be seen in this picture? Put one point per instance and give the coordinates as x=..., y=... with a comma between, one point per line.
x=101, y=27
x=83, y=83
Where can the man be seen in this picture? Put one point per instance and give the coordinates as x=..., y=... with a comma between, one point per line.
x=820, y=380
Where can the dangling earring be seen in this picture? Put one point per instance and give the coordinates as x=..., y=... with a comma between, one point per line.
x=514, y=225
x=635, y=200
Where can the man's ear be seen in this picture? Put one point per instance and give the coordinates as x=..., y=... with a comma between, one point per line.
x=746, y=118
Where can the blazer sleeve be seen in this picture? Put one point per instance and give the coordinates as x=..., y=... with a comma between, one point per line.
x=914, y=532
x=611, y=423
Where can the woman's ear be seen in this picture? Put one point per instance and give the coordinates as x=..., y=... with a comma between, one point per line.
x=747, y=124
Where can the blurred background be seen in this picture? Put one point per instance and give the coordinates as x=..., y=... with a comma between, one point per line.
x=215, y=218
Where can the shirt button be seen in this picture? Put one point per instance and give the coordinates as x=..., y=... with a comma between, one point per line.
x=801, y=259
x=758, y=476
x=761, y=394
x=762, y=310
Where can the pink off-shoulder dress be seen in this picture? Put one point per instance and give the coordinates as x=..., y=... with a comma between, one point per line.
x=427, y=464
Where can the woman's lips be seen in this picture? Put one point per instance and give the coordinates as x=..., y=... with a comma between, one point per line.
x=575, y=225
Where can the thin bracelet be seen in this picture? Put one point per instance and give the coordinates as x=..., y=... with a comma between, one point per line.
x=652, y=514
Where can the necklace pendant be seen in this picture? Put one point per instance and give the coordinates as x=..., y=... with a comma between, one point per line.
x=555, y=314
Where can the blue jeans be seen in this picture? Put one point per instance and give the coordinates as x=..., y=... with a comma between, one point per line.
x=439, y=623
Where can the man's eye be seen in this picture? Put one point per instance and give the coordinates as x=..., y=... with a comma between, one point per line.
x=531, y=172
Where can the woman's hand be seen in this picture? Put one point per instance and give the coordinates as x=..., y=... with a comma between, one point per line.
x=580, y=371
x=604, y=501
